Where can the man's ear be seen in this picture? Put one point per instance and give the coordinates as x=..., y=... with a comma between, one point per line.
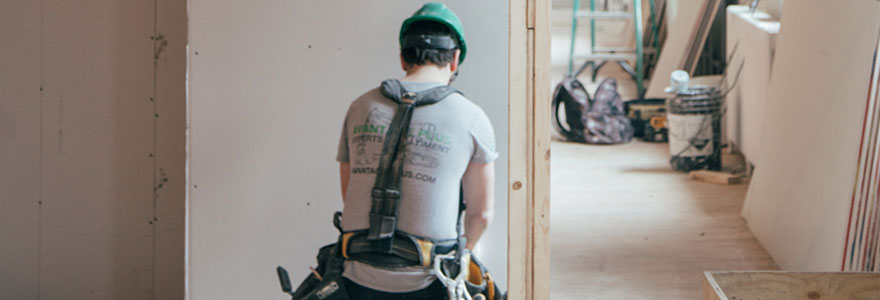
x=453, y=66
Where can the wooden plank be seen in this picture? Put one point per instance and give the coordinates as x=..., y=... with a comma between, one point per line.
x=518, y=271
x=20, y=111
x=799, y=198
x=170, y=148
x=793, y=285
x=529, y=136
x=541, y=152
x=699, y=33
x=675, y=47
x=717, y=177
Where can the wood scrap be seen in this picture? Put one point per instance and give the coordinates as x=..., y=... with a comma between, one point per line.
x=718, y=177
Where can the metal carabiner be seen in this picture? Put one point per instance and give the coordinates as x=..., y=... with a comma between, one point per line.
x=455, y=287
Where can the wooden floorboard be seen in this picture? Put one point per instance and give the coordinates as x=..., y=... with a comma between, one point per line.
x=625, y=226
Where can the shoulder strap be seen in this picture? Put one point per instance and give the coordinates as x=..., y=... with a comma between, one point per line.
x=386, y=191
x=393, y=89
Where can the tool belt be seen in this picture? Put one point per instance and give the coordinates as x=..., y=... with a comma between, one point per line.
x=406, y=250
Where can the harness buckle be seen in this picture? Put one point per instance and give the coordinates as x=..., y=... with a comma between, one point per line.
x=380, y=193
x=381, y=226
x=382, y=222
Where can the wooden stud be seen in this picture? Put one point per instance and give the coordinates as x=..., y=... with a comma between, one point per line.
x=517, y=227
x=529, y=138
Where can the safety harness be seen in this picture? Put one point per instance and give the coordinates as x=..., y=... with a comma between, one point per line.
x=383, y=244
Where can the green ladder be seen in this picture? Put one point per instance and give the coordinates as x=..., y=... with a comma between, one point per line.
x=599, y=56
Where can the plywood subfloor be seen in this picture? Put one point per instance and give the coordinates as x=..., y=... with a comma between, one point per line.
x=625, y=226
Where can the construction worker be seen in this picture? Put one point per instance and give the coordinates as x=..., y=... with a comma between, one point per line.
x=449, y=154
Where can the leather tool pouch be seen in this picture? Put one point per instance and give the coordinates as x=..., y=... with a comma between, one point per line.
x=479, y=281
x=331, y=286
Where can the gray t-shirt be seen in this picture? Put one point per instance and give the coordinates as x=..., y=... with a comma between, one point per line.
x=443, y=139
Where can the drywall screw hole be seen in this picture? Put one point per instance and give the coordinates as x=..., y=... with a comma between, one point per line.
x=517, y=185
x=547, y=155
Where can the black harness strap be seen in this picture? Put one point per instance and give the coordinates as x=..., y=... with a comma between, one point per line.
x=386, y=191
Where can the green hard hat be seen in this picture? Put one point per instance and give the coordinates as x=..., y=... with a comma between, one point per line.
x=438, y=12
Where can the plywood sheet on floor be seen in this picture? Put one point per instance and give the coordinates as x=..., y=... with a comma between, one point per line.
x=625, y=226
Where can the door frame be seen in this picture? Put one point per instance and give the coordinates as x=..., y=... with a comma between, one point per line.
x=528, y=178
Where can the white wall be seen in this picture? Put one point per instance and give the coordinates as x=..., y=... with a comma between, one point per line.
x=270, y=82
x=799, y=199
x=81, y=150
x=754, y=36
x=772, y=7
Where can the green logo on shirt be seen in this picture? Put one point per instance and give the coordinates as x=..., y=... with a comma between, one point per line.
x=434, y=136
x=369, y=128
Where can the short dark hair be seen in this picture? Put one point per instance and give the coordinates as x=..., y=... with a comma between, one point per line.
x=416, y=55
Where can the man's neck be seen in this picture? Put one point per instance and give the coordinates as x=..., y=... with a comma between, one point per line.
x=428, y=73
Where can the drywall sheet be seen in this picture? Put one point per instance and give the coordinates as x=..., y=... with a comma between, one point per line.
x=753, y=37
x=96, y=239
x=683, y=18
x=270, y=82
x=81, y=208
x=19, y=149
x=799, y=200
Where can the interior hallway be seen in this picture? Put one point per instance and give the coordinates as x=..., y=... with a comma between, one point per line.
x=626, y=226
